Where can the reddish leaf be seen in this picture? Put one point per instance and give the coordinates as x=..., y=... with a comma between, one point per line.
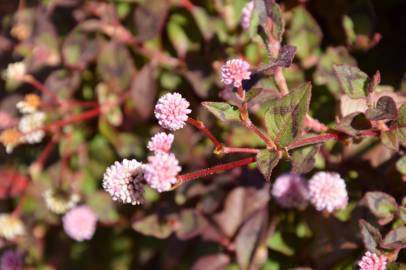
x=212, y=262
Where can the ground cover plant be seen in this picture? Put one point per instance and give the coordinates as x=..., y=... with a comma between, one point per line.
x=211, y=134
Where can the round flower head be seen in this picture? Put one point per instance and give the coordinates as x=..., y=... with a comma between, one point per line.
x=60, y=201
x=246, y=16
x=15, y=71
x=29, y=124
x=234, y=71
x=30, y=104
x=10, y=138
x=11, y=227
x=11, y=260
x=161, y=171
x=328, y=192
x=290, y=191
x=161, y=142
x=123, y=181
x=171, y=111
x=371, y=261
x=79, y=223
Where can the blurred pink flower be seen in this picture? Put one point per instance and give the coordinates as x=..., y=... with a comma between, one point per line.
x=161, y=171
x=11, y=260
x=371, y=261
x=290, y=191
x=6, y=120
x=234, y=71
x=246, y=16
x=123, y=181
x=171, y=111
x=328, y=191
x=161, y=142
x=80, y=223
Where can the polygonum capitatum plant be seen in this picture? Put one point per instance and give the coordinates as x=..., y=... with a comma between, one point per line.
x=283, y=148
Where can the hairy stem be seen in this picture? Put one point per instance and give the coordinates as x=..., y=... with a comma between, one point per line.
x=201, y=126
x=227, y=150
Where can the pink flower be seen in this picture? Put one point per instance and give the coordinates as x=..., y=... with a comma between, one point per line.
x=161, y=171
x=247, y=14
x=290, y=191
x=161, y=142
x=171, y=111
x=371, y=261
x=123, y=181
x=11, y=260
x=328, y=191
x=234, y=71
x=80, y=223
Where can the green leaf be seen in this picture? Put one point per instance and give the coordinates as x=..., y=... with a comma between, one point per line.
x=152, y=225
x=401, y=165
x=285, y=116
x=223, y=111
x=304, y=33
x=395, y=238
x=277, y=243
x=266, y=162
x=303, y=159
x=385, y=109
x=370, y=235
x=177, y=35
x=382, y=205
x=390, y=139
x=191, y=224
x=352, y=80
x=270, y=18
x=402, y=125
x=103, y=206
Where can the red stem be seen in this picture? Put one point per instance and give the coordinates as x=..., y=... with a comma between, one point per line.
x=200, y=125
x=227, y=150
x=212, y=170
x=42, y=88
x=73, y=119
x=45, y=154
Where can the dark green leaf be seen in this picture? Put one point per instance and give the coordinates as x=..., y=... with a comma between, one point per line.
x=401, y=165
x=191, y=224
x=382, y=205
x=149, y=18
x=370, y=235
x=103, y=206
x=152, y=226
x=303, y=159
x=395, y=238
x=223, y=111
x=352, y=80
x=384, y=109
x=285, y=116
x=270, y=18
x=266, y=162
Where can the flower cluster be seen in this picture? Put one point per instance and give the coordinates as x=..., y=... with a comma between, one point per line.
x=234, y=71
x=11, y=227
x=161, y=171
x=372, y=261
x=79, y=223
x=59, y=201
x=172, y=111
x=161, y=142
x=31, y=125
x=10, y=138
x=290, y=191
x=15, y=71
x=246, y=16
x=328, y=191
x=30, y=104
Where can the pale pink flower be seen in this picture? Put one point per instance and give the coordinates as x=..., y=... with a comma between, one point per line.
x=171, y=111
x=79, y=223
x=290, y=191
x=161, y=142
x=124, y=181
x=371, y=261
x=11, y=260
x=328, y=191
x=161, y=171
x=246, y=16
x=234, y=71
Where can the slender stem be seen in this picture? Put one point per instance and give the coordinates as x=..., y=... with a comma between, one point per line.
x=42, y=88
x=281, y=81
x=212, y=170
x=73, y=119
x=227, y=150
x=43, y=157
x=201, y=126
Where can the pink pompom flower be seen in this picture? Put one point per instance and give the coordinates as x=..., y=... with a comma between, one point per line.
x=234, y=71
x=328, y=191
x=246, y=16
x=371, y=261
x=79, y=223
x=290, y=191
x=124, y=181
x=161, y=171
x=172, y=111
x=161, y=142
x=11, y=260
